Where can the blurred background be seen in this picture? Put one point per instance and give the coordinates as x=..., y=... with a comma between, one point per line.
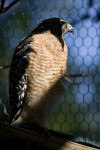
x=79, y=111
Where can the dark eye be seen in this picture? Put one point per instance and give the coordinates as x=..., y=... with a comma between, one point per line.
x=65, y=25
x=41, y=27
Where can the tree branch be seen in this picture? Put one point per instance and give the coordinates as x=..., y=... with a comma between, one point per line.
x=5, y=8
x=71, y=82
x=74, y=76
x=2, y=5
x=4, y=67
x=66, y=77
x=77, y=75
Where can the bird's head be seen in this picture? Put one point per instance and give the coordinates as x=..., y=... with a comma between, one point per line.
x=56, y=26
x=66, y=27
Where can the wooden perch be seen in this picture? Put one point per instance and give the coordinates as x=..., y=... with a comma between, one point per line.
x=5, y=8
x=20, y=138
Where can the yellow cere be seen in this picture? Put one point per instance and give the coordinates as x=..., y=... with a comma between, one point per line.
x=69, y=26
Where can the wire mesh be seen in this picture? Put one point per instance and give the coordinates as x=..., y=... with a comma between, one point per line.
x=79, y=111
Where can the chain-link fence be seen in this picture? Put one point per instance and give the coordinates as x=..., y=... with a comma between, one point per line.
x=79, y=112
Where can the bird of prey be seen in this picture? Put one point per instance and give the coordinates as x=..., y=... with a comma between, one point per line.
x=37, y=72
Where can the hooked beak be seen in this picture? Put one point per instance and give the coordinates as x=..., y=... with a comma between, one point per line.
x=70, y=29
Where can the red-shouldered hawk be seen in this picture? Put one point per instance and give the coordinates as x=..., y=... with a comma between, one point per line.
x=37, y=72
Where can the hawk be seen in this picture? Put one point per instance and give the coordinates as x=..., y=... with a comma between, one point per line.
x=37, y=72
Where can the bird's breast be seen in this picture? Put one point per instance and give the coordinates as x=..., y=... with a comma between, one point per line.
x=47, y=67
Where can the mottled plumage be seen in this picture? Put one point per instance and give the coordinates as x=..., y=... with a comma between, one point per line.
x=37, y=72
